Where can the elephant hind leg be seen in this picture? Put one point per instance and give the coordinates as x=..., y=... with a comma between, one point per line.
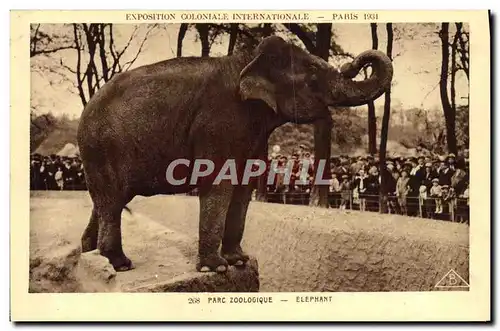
x=110, y=193
x=109, y=238
x=89, y=237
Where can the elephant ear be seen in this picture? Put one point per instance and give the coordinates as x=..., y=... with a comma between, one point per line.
x=255, y=86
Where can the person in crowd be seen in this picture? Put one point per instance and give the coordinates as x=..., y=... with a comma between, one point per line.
x=465, y=194
x=451, y=160
x=58, y=176
x=334, y=190
x=68, y=175
x=372, y=189
x=294, y=177
x=342, y=169
x=281, y=186
x=345, y=195
x=428, y=203
x=437, y=194
x=445, y=173
x=360, y=184
x=51, y=168
x=422, y=201
x=459, y=177
x=463, y=204
x=301, y=150
x=391, y=181
x=402, y=189
x=36, y=180
x=399, y=162
x=417, y=174
x=440, y=163
x=466, y=155
x=449, y=198
x=369, y=161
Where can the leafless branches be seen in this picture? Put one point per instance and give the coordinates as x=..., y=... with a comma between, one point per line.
x=39, y=42
x=98, y=56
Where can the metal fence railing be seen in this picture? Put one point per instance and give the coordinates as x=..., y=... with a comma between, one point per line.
x=455, y=210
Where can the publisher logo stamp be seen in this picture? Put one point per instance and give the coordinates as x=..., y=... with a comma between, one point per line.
x=452, y=280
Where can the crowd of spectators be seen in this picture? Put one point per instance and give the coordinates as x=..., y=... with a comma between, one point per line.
x=56, y=173
x=427, y=185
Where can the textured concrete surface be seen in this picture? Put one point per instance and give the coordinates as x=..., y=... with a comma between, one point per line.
x=302, y=249
x=163, y=259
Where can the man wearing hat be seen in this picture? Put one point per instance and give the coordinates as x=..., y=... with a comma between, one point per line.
x=429, y=175
x=345, y=192
x=466, y=155
x=301, y=150
x=445, y=173
x=417, y=174
x=342, y=169
x=451, y=159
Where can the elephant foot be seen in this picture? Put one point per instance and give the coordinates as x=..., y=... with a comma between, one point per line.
x=88, y=244
x=236, y=257
x=212, y=263
x=121, y=263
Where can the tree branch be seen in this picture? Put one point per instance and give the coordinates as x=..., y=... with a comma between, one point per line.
x=79, y=79
x=302, y=35
x=128, y=64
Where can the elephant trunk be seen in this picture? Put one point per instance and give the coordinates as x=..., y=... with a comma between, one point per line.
x=355, y=93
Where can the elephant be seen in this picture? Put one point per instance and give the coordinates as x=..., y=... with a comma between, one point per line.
x=217, y=108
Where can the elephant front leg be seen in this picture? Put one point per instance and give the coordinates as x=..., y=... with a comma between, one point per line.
x=214, y=204
x=235, y=226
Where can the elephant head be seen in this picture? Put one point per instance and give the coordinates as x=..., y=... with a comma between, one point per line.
x=300, y=86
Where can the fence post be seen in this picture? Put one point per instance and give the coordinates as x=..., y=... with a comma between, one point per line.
x=451, y=207
x=420, y=200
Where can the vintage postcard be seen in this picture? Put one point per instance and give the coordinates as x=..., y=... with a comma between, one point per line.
x=250, y=166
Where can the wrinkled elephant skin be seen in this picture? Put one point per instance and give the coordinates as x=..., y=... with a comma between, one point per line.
x=204, y=108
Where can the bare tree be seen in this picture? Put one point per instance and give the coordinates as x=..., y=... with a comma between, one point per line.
x=463, y=48
x=233, y=36
x=449, y=111
x=203, y=31
x=98, y=56
x=42, y=43
x=385, y=131
x=372, y=120
x=180, y=38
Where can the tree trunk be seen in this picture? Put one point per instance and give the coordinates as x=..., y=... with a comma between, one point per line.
x=449, y=112
x=180, y=38
x=385, y=130
x=205, y=44
x=464, y=49
x=267, y=30
x=454, y=70
x=372, y=120
x=233, y=35
x=323, y=127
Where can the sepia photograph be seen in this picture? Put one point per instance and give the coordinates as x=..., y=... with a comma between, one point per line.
x=314, y=158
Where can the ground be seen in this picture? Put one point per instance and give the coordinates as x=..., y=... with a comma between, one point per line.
x=298, y=248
